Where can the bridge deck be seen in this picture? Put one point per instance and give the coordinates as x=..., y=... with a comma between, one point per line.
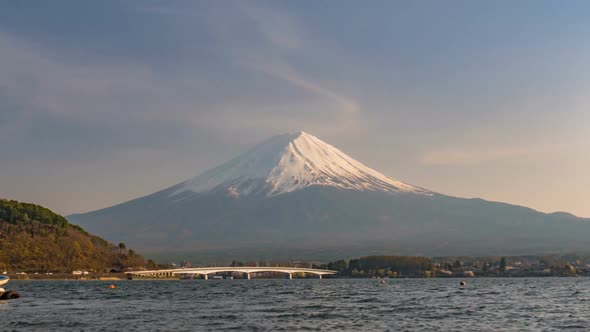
x=205, y=271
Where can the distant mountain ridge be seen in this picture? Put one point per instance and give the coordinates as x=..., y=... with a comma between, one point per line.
x=299, y=194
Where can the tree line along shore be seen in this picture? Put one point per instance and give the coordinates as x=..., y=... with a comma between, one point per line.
x=570, y=265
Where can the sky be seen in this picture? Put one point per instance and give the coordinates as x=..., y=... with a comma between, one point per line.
x=105, y=101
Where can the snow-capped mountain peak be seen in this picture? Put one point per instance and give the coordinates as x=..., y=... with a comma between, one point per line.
x=290, y=162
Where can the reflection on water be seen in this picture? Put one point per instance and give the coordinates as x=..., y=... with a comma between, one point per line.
x=305, y=304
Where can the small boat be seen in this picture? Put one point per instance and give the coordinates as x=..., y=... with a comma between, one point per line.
x=3, y=280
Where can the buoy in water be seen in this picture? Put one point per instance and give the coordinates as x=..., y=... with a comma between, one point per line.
x=112, y=286
x=462, y=283
x=382, y=281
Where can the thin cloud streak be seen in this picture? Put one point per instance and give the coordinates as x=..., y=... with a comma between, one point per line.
x=283, y=31
x=280, y=29
x=472, y=156
x=276, y=34
x=284, y=72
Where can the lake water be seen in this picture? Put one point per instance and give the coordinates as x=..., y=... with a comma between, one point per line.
x=548, y=304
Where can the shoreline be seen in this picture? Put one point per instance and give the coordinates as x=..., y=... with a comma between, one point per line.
x=66, y=276
x=348, y=278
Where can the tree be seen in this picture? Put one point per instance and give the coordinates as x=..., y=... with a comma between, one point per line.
x=151, y=265
x=339, y=266
x=235, y=263
x=76, y=259
x=503, y=264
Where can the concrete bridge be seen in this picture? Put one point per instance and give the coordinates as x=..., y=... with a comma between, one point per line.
x=247, y=270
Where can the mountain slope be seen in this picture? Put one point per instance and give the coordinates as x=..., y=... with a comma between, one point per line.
x=32, y=238
x=296, y=192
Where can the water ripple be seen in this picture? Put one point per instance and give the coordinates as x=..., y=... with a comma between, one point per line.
x=547, y=304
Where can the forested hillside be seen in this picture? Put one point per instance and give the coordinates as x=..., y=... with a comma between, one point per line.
x=34, y=239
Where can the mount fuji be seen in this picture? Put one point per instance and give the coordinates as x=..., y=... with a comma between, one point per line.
x=292, y=162
x=295, y=196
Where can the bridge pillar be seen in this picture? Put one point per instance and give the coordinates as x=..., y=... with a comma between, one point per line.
x=206, y=277
x=290, y=275
x=320, y=276
x=248, y=275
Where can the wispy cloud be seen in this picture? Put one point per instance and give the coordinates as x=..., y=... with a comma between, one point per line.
x=285, y=33
x=287, y=73
x=470, y=155
x=78, y=107
x=279, y=28
x=46, y=83
x=261, y=39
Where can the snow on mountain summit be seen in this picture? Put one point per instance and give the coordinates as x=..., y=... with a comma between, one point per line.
x=290, y=162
